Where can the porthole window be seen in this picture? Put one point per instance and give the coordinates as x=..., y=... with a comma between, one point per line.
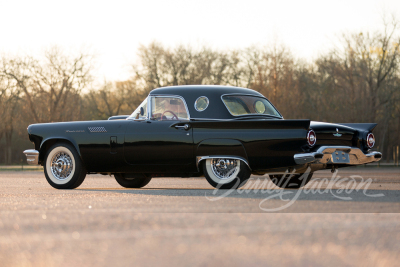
x=259, y=107
x=201, y=103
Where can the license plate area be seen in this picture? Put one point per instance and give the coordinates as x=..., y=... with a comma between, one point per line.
x=340, y=157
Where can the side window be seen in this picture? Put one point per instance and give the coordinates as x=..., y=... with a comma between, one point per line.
x=168, y=108
x=201, y=103
x=246, y=104
x=236, y=105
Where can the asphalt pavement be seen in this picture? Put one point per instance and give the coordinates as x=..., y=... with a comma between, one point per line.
x=350, y=218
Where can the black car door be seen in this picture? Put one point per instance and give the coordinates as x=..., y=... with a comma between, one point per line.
x=163, y=143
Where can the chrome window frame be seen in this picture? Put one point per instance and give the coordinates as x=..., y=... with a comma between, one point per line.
x=175, y=96
x=208, y=103
x=251, y=114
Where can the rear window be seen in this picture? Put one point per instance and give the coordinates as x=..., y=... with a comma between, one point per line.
x=248, y=105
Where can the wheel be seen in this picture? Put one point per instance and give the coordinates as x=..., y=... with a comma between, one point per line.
x=291, y=180
x=226, y=173
x=130, y=180
x=63, y=167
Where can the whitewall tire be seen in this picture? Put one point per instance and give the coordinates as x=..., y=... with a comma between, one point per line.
x=63, y=167
x=226, y=173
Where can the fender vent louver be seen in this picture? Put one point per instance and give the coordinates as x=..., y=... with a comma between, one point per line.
x=97, y=129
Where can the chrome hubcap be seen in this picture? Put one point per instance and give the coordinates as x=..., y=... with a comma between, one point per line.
x=224, y=168
x=61, y=165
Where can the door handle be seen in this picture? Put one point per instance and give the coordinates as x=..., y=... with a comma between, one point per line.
x=186, y=126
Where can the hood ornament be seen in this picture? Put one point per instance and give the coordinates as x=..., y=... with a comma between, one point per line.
x=337, y=134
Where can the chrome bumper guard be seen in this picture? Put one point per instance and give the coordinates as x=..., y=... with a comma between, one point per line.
x=32, y=156
x=351, y=156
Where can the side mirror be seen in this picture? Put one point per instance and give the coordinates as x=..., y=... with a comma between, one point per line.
x=141, y=111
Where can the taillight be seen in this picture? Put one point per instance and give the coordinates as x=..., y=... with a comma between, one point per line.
x=370, y=140
x=311, y=138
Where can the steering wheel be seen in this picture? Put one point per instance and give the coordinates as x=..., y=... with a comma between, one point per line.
x=174, y=115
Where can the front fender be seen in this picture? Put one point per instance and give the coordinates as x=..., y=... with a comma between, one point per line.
x=49, y=141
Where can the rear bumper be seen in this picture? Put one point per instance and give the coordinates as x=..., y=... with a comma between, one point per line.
x=32, y=156
x=324, y=155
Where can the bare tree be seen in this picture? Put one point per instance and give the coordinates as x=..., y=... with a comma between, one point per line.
x=52, y=86
x=9, y=100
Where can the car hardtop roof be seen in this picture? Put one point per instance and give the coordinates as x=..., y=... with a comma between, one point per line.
x=184, y=90
x=216, y=108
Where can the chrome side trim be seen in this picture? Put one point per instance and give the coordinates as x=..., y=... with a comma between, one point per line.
x=234, y=119
x=208, y=119
x=200, y=158
x=32, y=156
x=324, y=154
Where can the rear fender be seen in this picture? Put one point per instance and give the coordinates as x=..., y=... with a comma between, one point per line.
x=366, y=127
x=363, y=130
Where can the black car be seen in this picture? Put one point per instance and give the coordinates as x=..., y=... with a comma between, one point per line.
x=223, y=133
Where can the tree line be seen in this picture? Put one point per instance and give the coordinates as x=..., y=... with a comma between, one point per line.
x=357, y=81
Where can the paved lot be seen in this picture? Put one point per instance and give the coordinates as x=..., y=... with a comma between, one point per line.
x=351, y=221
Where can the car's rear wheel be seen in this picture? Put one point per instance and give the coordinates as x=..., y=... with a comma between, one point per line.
x=293, y=181
x=226, y=173
x=130, y=180
x=63, y=167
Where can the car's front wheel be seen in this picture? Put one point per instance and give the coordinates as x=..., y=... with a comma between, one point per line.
x=63, y=167
x=226, y=173
x=129, y=180
x=293, y=181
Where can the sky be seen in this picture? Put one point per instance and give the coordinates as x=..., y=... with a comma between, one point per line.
x=114, y=30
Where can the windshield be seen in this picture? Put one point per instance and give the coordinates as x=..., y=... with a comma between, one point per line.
x=248, y=105
x=136, y=114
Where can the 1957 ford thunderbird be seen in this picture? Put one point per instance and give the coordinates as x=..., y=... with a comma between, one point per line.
x=223, y=133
